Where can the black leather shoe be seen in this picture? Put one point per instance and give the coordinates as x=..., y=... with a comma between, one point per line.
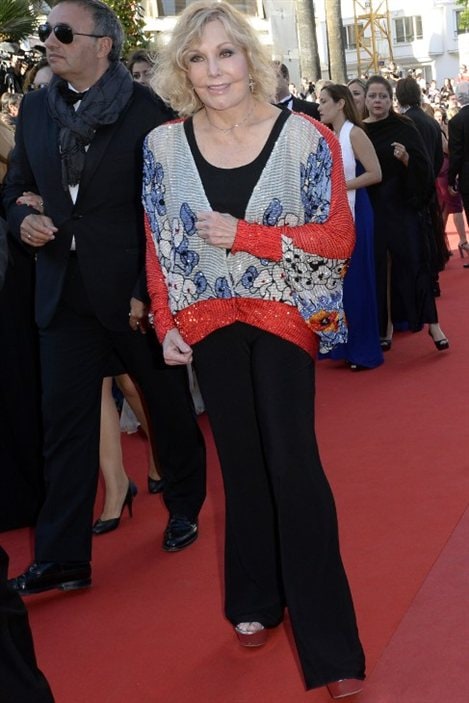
x=155, y=485
x=180, y=533
x=47, y=575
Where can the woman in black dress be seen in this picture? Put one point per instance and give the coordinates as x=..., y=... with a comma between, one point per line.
x=402, y=252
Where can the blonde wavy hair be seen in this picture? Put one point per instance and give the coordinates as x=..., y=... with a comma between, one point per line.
x=170, y=80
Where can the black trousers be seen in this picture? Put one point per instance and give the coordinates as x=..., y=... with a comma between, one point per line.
x=75, y=350
x=20, y=679
x=281, y=530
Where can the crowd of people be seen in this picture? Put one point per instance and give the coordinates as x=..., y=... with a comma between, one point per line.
x=195, y=213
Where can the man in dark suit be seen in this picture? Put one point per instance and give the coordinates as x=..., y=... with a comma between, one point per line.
x=458, y=148
x=79, y=145
x=285, y=99
x=409, y=97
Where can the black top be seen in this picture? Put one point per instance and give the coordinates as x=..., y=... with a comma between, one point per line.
x=228, y=190
x=412, y=184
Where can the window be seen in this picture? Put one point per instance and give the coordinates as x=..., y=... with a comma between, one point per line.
x=459, y=29
x=350, y=38
x=407, y=29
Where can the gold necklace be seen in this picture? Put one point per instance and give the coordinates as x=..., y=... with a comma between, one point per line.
x=237, y=124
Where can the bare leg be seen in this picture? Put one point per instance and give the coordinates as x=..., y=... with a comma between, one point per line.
x=436, y=332
x=444, y=217
x=110, y=455
x=132, y=396
x=458, y=220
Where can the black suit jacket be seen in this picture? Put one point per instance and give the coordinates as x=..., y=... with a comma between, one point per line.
x=430, y=132
x=107, y=218
x=307, y=107
x=458, y=146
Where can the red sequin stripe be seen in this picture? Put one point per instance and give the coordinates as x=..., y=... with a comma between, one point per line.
x=157, y=290
x=201, y=319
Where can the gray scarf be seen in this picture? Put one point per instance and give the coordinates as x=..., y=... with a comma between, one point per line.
x=101, y=105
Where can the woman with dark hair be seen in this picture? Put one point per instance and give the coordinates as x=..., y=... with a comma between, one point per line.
x=362, y=349
x=140, y=65
x=403, y=260
x=446, y=91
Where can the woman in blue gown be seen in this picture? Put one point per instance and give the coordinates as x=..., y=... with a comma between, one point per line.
x=361, y=166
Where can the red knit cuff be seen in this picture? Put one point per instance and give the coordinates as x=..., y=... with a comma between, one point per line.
x=259, y=240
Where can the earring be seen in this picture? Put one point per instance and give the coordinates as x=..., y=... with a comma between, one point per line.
x=251, y=84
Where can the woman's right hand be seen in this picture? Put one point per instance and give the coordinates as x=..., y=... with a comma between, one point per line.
x=175, y=349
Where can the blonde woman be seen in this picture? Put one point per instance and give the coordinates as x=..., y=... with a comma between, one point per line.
x=240, y=198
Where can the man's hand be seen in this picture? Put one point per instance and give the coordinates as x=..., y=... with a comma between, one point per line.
x=217, y=228
x=175, y=349
x=138, y=316
x=37, y=230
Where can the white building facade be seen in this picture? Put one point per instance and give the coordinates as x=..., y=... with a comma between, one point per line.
x=422, y=34
x=416, y=34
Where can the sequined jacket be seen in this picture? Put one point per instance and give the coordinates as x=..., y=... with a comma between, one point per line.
x=288, y=258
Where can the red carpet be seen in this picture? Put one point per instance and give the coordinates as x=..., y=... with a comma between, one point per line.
x=394, y=445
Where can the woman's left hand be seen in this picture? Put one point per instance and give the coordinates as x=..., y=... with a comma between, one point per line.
x=217, y=229
x=400, y=153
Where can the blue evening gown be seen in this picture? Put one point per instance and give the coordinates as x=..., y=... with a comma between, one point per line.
x=363, y=345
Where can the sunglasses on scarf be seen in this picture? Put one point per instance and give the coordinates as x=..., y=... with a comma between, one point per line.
x=63, y=32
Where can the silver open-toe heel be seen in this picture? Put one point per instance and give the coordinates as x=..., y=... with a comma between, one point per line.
x=251, y=639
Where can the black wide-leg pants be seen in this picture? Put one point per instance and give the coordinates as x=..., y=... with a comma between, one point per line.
x=21, y=681
x=75, y=351
x=281, y=529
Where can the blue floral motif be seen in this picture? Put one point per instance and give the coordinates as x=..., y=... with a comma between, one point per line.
x=186, y=259
x=249, y=277
x=272, y=212
x=153, y=189
x=222, y=289
x=316, y=183
x=200, y=282
x=188, y=219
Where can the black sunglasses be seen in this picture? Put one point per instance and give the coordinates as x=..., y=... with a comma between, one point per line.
x=63, y=32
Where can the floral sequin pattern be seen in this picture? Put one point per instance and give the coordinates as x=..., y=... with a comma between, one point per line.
x=317, y=284
x=153, y=191
x=315, y=177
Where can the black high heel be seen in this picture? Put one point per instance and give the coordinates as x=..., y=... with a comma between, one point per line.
x=440, y=344
x=100, y=527
x=463, y=247
x=385, y=344
x=155, y=485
